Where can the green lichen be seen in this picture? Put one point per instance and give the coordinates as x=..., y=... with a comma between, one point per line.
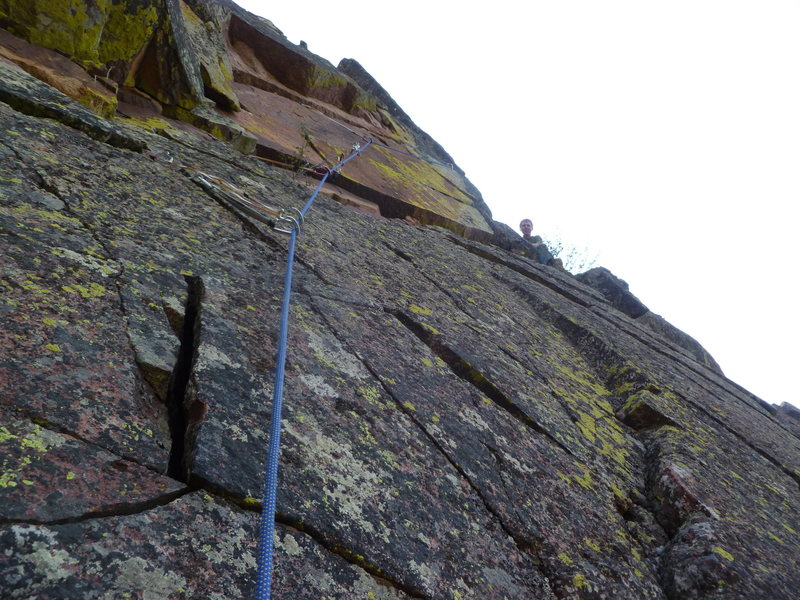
x=364, y=102
x=73, y=27
x=587, y=426
x=419, y=178
x=99, y=103
x=6, y=435
x=430, y=328
x=8, y=479
x=420, y=310
x=126, y=32
x=584, y=480
x=723, y=553
x=319, y=78
x=592, y=544
x=579, y=581
x=775, y=537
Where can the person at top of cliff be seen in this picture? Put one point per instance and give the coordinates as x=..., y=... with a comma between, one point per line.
x=539, y=250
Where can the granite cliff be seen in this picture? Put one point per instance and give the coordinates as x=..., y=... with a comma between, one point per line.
x=460, y=421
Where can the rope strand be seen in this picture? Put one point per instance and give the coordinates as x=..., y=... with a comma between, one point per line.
x=267, y=528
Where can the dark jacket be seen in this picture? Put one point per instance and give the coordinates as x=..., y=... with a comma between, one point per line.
x=541, y=252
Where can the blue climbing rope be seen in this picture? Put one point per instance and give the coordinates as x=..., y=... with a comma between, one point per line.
x=267, y=534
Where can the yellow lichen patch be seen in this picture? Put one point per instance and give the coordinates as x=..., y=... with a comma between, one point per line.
x=592, y=544
x=8, y=479
x=73, y=27
x=90, y=290
x=564, y=558
x=617, y=492
x=624, y=389
x=6, y=435
x=584, y=480
x=420, y=310
x=371, y=394
x=389, y=459
x=723, y=553
x=579, y=581
x=587, y=426
x=367, y=438
x=126, y=32
x=430, y=328
x=774, y=537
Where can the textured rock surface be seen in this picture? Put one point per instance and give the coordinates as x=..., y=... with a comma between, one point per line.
x=459, y=422
x=616, y=291
x=219, y=68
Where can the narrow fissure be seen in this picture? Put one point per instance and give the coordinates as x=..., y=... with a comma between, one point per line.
x=178, y=404
x=115, y=510
x=436, y=283
x=600, y=356
x=461, y=368
x=349, y=556
x=13, y=150
x=307, y=529
x=44, y=424
x=528, y=547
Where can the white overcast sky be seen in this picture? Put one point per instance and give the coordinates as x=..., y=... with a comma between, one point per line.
x=662, y=136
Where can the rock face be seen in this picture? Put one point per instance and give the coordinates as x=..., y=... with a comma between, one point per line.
x=459, y=421
x=219, y=68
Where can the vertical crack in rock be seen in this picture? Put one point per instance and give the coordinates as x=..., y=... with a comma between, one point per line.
x=672, y=518
x=641, y=510
x=461, y=367
x=611, y=367
x=179, y=401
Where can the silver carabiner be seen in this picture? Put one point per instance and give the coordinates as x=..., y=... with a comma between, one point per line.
x=286, y=224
